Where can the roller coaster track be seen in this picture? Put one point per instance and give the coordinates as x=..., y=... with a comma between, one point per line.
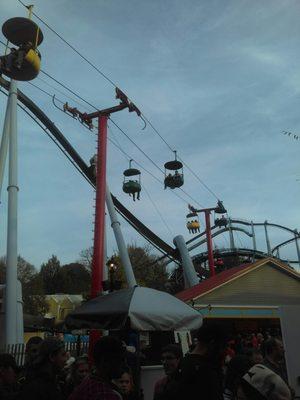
x=248, y=252
x=169, y=252
x=66, y=145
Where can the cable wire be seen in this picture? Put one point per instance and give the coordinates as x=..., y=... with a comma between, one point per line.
x=157, y=210
x=53, y=140
x=71, y=46
x=142, y=151
x=115, y=85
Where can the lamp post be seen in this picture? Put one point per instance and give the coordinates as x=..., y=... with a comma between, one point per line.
x=112, y=268
x=219, y=209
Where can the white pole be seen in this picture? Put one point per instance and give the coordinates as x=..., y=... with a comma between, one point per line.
x=190, y=274
x=115, y=224
x=12, y=224
x=4, y=142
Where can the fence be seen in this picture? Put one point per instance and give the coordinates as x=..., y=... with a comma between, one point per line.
x=18, y=350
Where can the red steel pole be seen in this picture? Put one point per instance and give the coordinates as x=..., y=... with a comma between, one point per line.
x=99, y=225
x=209, y=244
x=99, y=228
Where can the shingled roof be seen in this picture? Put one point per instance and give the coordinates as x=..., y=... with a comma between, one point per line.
x=229, y=275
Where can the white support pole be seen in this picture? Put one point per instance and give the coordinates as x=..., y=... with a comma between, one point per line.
x=12, y=225
x=231, y=237
x=267, y=239
x=190, y=274
x=4, y=142
x=115, y=224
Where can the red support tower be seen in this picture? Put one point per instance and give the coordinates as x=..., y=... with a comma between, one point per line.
x=219, y=209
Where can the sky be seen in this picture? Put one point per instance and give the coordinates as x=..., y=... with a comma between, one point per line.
x=219, y=80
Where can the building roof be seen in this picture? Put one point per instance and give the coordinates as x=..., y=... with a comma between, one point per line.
x=230, y=275
x=60, y=297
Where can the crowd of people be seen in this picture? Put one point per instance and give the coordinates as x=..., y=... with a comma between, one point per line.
x=243, y=368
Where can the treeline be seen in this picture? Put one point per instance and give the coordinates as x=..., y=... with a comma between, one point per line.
x=75, y=278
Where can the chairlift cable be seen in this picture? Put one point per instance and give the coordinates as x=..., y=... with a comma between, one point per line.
x=91, y=105
x=71, y=46
x=61, y=92
x=142, y=151
x=53, y=140
x=115, y=85
x=70, y=90
x=143, y=168
x=157, y=210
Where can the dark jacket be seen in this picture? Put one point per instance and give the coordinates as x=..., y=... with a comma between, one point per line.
x=41, y=384
x=199, y=378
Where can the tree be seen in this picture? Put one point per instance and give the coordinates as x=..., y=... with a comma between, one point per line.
x=148, y=272
x=86, y=258
x=50, y=275
x=34, y=301
x=175, y=282
x=74, y=279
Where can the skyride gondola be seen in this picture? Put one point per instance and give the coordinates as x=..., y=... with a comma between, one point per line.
x=176, y=179
x=22, y=63
x=192, y=222
x=132, y=182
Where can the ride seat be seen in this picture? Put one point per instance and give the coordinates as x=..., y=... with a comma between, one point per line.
x=29, y=66
x=131, y=187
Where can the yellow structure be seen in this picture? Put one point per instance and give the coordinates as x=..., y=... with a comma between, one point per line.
x=61, y=304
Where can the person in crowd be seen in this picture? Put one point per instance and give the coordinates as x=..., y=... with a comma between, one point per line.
x=236, y=369
x=108, y=355
x=229, y=352
x=79, y=371
x=274, y=357
x=200, y=374
x=254, y=341
x=171, y=357
x=32, y=349
x=260, y=339
x=9, y=387
x=261, y=383
x=255, y=356
x=42, y=379
x=126, y=385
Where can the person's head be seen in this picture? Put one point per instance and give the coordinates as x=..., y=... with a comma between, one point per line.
x=80, y=369
x=170, y=358
x=52, y=353
x=273, y=349
x=108, y=355
x=260, y=383
x=8, y=369
x=32, y=348
x=211, y=341
x=255, y=356
x=260, y=337
x=125, y=382
x=236, y=369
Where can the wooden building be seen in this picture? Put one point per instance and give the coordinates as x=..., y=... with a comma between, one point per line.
x=248, y=296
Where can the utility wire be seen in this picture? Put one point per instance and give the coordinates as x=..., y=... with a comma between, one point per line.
x=157, y=210
x=142, y=151
x=91, y=105
x=94, y=107
x=143, y=186
x=115, y=85
x=143, y=168
x=61, y=92
x=70, y=90
x=53, y=140
x=72, y=47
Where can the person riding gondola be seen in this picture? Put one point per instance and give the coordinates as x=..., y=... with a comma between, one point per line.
x=22, y=63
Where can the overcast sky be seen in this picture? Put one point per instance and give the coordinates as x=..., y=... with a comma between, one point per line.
x=220, y=81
